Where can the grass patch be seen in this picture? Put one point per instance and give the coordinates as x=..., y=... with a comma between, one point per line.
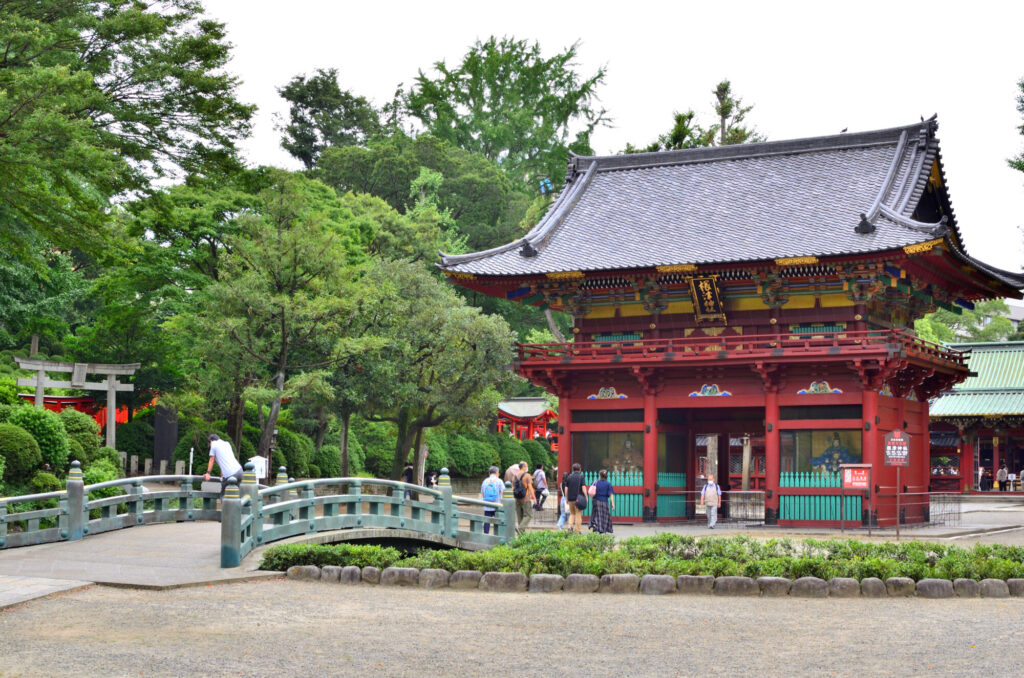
x=666, y=553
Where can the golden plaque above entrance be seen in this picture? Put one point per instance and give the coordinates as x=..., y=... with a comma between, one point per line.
x=707, y=303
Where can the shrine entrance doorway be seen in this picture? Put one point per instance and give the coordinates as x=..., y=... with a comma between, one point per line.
x=693, y=442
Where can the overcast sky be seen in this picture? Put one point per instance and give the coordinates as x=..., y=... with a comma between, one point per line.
x=808, y=69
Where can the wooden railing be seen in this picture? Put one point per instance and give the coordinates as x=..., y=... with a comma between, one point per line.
x=768, y=346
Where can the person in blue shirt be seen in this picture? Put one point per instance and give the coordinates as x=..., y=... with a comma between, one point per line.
x=604, y=503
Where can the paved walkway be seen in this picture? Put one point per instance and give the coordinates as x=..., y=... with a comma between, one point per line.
x=176, y=555
x=153, y=556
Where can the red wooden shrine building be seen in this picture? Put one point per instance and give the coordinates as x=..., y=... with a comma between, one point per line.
x=746, y=309
x=526, y=419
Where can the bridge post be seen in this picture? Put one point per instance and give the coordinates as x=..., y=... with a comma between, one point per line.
x=250, y=487
x=76, y=502
x=231, y=526
x=507, y=529
x=450, y=525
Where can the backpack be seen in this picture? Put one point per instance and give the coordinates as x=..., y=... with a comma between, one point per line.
x=518, y=487
x=491, y=492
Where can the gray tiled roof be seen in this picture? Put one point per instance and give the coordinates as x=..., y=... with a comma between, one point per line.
x=734, y=203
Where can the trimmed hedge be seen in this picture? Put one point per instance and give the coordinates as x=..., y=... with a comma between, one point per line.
x=48, y=430
x=20, y=452
x=667, y=553
x=84, y=430
x=136, y=438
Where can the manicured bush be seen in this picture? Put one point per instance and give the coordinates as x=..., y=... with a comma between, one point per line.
x=510, y=450
x=101, y=471
x=82, y=428
x=3, y=465
x=313, y=471
x=136, y=438
x=537, y=454
x=327, y=461
x=9, y=392
x=20, y=452
x=378, y=443
x=564, y=554
x=284, y=556
x=298, y=451
x=470, y=458
x=48, y=430
x=108, y=453
x=75, y=451
x=43, y=482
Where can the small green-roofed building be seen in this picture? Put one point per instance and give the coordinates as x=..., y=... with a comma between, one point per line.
x=978, y=426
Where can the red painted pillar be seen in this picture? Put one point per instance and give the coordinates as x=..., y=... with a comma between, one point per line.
x=564, y=438
x=869, y=441
x=650, y=455
x=926, y=446
x=771, y=455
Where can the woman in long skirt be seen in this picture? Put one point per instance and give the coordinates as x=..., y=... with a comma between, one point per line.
x=604, y=503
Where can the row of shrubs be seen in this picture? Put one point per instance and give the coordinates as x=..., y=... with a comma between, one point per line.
x=666, y=553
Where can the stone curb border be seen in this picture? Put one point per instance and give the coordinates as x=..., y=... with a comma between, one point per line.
x=661, y=584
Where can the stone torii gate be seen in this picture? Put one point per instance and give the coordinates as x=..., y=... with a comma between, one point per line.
x=78, y=371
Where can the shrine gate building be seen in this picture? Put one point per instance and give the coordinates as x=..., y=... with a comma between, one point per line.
x=746, y=309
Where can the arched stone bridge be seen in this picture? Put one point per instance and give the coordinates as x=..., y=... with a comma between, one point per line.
x=252, y=515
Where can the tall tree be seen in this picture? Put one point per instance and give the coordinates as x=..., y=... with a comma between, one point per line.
x=687, y=132
x=97, y=98
x=513, y=105
x=443, y=360
x=730, y=128
x=1017, y=162
x=989, y=321
x=322, y=114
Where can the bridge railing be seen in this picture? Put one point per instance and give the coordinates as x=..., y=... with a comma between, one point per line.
x=253, y=517
x=81, y=509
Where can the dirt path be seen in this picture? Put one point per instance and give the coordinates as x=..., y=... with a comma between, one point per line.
x=276, y=627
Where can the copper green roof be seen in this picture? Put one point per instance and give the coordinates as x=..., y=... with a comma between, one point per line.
x=997, y=387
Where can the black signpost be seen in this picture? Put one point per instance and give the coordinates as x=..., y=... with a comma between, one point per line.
x=897, y=453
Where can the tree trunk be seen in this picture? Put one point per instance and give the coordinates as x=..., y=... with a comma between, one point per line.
x=403, y=441
x=554, y=327
x=417, y=460
x=275, y=408
x=34, y=347
x=236, y=416
x=343, y=419
x=321, y=429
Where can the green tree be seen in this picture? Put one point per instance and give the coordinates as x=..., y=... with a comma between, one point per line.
x=1017, y=162
x=98, y=99
x=509, y=103
x=443, y=360
x=37, y=299
x=484, y=203
x=322, y=115
x=730, y=128
x=686, y=132
x=989, y=321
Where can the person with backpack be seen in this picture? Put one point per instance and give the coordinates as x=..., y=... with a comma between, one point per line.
x=491, y=490
x=711, y=497
x=522, y=491
x=574, y=488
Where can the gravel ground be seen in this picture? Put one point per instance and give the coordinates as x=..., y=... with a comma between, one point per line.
x=277, y=627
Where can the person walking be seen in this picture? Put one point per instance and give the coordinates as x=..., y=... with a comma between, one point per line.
x=491, y=490
x=604, y=502
x=572, y=487
x=522, y=491
x=407, y=478
x=221, y=452
x=711, y=496
x=540, y=487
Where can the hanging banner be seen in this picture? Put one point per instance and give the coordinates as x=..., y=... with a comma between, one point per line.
x=707, y=303
x=897, y=448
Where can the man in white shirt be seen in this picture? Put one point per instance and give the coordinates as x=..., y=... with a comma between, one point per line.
x=221, y=452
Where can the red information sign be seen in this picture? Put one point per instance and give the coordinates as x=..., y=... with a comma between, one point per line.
x=856, y=477
x=897, y=448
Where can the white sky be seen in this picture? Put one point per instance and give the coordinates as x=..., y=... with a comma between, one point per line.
x=810, y=69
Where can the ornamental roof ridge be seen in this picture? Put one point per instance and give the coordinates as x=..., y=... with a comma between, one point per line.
x=845, y=140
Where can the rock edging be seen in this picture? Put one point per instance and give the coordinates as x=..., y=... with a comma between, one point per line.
x=661, y=584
